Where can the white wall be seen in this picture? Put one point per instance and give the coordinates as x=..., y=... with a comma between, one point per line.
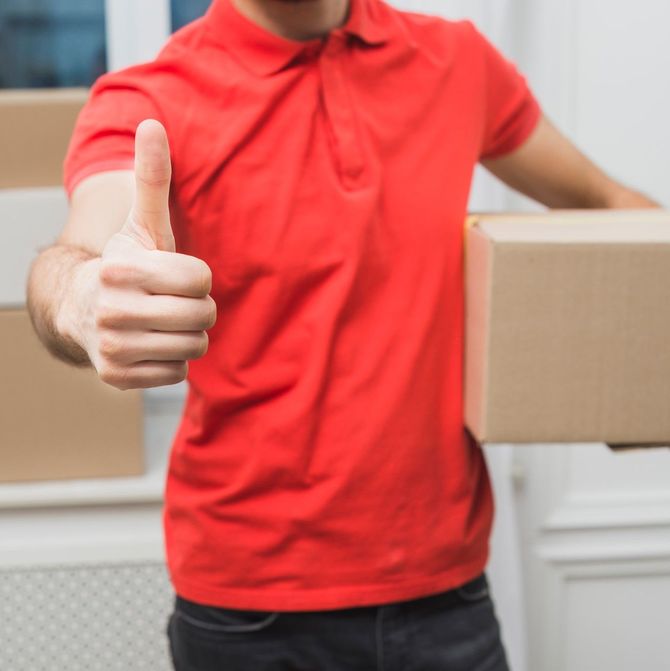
x=604, y=78
x=596, y=525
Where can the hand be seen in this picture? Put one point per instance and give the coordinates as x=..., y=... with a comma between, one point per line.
x=148, y=308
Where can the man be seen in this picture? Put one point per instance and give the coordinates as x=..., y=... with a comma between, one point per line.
x=325, y=508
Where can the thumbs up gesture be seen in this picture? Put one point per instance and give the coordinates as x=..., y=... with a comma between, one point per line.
x=152, y=306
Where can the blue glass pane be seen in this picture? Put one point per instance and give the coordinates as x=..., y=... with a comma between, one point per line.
x=185, y=11
x=48, y=43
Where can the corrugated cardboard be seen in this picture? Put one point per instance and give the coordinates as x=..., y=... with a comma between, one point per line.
x=568, y=327
x=35, y=128
x=57, y=421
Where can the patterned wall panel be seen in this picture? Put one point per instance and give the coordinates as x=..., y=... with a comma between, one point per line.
x=108, y=617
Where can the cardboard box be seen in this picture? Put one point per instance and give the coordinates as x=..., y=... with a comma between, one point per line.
x=57, y=421
x=568, y=327
x=35, y=129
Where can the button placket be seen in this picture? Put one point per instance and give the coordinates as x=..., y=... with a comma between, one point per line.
x=339, y=110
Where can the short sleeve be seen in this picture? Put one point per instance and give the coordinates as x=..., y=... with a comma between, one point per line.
x=104, y=134
x=511, y=111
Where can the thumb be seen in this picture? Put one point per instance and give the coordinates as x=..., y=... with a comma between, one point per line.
x=150, y=214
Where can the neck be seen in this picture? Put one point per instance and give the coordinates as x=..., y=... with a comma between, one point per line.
x=295, y=19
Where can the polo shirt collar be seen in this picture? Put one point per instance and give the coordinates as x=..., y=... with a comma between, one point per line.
x=265, y=52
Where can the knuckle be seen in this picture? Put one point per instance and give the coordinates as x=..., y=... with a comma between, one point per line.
x=115, y=273
x=105, y=373
x=109, y=315
x=124, y=379
x=109, y=374
x=105, y=316
x=110, y=345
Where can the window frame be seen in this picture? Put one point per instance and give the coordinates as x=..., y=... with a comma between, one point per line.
x=135, y=30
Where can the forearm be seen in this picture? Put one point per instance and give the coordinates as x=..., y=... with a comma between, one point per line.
x=593, y=190
x=553, y=171
x=58, y=282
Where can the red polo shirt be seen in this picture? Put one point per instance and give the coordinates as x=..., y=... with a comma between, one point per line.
x=321, y=460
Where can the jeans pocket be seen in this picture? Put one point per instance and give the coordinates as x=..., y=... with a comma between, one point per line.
x=215, y=619
x=475, y=590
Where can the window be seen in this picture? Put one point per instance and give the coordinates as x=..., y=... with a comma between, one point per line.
x=185, y=11
x=51, y=43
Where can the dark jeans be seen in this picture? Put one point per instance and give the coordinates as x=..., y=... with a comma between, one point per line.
x=455, y=630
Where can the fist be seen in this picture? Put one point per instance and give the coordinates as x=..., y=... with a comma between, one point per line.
x=152, y=306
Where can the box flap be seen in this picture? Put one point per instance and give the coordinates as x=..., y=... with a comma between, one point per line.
x=579, y=226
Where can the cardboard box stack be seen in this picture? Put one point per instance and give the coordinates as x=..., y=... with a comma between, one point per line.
x=56, y=421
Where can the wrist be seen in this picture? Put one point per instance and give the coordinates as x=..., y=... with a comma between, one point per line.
x=622, y=198
x=74, y=318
